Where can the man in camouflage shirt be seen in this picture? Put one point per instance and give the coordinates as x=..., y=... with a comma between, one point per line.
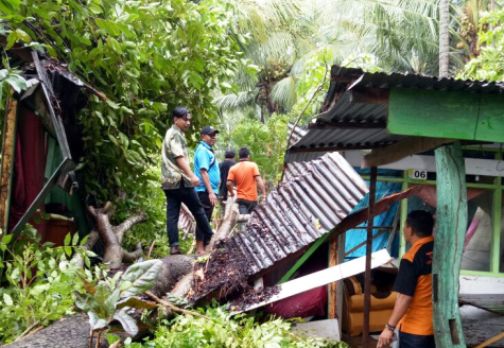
x=179, y=181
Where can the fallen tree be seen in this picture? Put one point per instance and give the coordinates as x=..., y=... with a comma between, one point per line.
x=175, y=274
x=126, y=301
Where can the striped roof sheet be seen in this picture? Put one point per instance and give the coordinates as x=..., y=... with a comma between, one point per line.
x=312, y=199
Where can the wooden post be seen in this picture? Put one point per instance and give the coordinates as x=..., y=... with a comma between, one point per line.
x=339, y=285
x=451, y=219
x=7, y=161
x=369, y=245
x=333, y=261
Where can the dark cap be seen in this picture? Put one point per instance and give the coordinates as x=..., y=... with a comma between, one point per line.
x=208, y=130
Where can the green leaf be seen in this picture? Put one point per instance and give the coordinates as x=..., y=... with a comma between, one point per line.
x=116, y=46
x=68, y=239
x=17, y=82
x=11, y=40
x=68, y=250
x=111, y=338
x=7, y=299
x=23, y=36
x=75, y=239
x=6, y=239
x=140, y=277
x=96, y=322
x=127, y=322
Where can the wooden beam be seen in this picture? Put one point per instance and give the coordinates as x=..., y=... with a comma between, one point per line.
x=369, y=247
x=7, y=161
x=491, y=340
x=474, y=166
x=339, y=284
x=451, y=219
x=333, y=261
x=397, y=151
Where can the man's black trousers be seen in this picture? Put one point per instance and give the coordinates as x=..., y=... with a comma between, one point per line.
x=208, y=207
x=188, y=196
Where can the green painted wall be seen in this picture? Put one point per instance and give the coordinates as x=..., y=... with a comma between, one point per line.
x=446, y=114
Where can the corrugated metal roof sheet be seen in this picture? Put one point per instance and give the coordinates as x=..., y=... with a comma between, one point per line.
x=342, y=75
x=349, y=111
x=295, y=133
x=317, y=141
x=313, y=198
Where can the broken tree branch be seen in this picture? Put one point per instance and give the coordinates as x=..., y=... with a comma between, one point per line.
x=131, y=256
x=112, y=235
x=174, y=308
x=119, y=230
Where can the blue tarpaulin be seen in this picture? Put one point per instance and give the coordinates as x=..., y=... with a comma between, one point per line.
x=356, y=236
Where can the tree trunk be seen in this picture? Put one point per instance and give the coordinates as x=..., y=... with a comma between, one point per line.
x=444, y=38
x=112, y=236
x=231, y=216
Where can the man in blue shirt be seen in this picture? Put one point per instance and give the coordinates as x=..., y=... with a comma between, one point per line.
x=207, y=170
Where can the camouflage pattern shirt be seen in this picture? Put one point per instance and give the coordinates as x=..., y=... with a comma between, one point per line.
x=174, y=146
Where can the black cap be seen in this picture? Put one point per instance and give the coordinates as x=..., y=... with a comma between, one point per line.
x=208, y=130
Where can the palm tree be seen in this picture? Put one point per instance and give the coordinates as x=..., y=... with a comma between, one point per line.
x=283, y=37
x=444, y=38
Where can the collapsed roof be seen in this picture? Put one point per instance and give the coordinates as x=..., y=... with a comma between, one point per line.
x=313, y=198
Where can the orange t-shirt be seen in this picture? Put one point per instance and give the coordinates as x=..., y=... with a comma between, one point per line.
x=243, y=175
x=415, y=279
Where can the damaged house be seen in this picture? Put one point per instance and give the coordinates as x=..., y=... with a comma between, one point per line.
x=41, y=140
x=420, y=143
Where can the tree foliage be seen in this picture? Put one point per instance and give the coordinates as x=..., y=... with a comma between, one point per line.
x=146, y=57
x=267, y=143
x=218, y=329
x=489, y=65
x=39, y=283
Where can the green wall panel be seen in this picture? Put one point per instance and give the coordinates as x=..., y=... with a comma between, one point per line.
x=491, y=119
x=446, y=114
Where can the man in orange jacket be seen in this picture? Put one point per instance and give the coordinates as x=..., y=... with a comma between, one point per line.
x=247, y=179
x=412, y=312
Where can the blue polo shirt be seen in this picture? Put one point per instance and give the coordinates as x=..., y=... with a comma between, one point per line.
x=204, y=158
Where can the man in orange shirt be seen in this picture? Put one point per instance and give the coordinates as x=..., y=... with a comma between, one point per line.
x=412, y=312
x=247, y=179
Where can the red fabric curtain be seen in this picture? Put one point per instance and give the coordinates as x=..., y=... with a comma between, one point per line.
x=30, y=160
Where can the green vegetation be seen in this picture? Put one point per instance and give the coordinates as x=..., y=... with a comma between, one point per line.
x=39, y=283
x=215, y=328
x=489, y=64
x=146, y=58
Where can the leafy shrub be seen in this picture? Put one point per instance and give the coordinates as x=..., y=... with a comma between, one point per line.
x=217, y=328
x=38, y=283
